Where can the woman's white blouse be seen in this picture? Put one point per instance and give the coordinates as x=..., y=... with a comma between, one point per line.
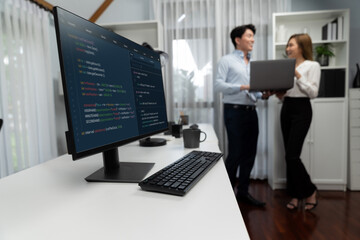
x=308, y=84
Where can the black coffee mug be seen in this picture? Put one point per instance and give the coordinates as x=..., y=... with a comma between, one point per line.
x=176, y=130
x=192, y=137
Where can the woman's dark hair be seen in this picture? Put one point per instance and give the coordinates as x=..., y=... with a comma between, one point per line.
x=239, y=31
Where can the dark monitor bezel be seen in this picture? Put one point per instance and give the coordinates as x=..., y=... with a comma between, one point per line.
x=70, y=133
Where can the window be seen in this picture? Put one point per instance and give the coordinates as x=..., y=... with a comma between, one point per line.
x=192, y=79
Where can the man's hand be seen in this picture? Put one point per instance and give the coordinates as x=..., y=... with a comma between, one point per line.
x=267, y=94
x=244, y=87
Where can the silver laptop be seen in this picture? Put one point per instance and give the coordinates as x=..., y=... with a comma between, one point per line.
x=272, y=75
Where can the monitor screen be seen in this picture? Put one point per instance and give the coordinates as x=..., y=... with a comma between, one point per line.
x=113, y=92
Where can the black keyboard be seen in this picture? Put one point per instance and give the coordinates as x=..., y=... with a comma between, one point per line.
x=179, y=177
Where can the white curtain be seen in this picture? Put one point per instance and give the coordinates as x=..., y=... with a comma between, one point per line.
x=26, y=87
x=189, y=40
x=196, y=35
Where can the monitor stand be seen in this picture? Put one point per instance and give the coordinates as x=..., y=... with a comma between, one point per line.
x=152, y=142
x=116, y=171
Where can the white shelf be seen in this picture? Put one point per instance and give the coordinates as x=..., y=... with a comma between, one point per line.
x=312, y=22
x=283, y=44
x=329, y=100
x=308, y=15
x=139, y=31
x=333, y=67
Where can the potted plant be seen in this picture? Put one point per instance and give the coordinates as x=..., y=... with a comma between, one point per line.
x=323, y=53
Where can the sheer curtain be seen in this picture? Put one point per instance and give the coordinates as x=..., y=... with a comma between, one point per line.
x=26, y=87
x=196, y=35
x=189, y=40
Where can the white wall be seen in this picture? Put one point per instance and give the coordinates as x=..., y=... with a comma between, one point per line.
x=354, y=6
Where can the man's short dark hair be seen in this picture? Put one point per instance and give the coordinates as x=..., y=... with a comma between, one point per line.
x=239, y=31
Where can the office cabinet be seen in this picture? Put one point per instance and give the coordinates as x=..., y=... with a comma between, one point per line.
x=354, y=139
x=327, y=145
x=324, y=152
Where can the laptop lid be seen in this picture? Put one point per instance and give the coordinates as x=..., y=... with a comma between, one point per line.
x=272, y=75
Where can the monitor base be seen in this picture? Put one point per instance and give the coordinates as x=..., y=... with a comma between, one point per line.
x=152, y=142
x=128, y=172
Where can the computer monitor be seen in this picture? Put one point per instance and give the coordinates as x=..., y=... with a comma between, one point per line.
x=113, y=92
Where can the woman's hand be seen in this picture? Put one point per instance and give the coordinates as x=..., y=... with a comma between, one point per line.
x=280, y=95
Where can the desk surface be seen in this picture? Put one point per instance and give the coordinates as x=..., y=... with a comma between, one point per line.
x=53, y=201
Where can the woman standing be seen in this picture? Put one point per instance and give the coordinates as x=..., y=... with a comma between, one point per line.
x=296, y=115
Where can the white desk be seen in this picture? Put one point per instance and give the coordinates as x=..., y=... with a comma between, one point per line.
x=53, y=201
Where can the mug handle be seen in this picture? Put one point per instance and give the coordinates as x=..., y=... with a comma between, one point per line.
x=205, y=136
